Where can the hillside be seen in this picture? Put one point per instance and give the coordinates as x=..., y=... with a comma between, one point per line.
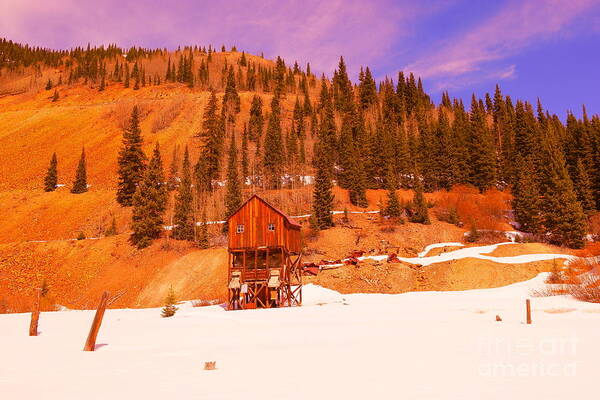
x=387, y=142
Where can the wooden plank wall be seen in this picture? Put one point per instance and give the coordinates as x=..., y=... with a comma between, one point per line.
x=255, y=215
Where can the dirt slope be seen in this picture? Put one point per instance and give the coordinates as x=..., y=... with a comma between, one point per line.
x=465, y=274
x=77, y=272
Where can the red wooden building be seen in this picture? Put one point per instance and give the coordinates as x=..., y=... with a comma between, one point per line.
x=264, y=257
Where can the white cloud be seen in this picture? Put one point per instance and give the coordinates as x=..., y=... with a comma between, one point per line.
x=518, y=25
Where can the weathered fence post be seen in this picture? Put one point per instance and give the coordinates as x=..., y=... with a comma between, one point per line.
x=90, y=343
x=528, y=307
x=35, y=314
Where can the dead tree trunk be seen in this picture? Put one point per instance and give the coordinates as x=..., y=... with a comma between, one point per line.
x=35, y=314
x=90, y=343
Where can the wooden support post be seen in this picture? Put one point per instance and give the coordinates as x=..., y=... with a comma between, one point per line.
x=90, y=343
x=35, y=314
x=528, y=307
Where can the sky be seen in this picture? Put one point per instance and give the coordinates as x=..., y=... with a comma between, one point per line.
x=532, y=48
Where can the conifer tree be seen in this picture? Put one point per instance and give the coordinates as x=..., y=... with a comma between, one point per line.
x=231, y=98
x=256, y=122
x=273, y=154
x=49, y=85
x=583, y=187
x=358, y=185
x=80, y=182
x=149, y=204
x=482, y=157
x=126, y=80
x=233, y=192
x=131, y=161
x=231, y=102
x=102, y=84
x=51, y=179
x=327, y=130
x=342, y=88
x=346, y=152
x=183, y=218
x=563, y=216
x=420, y=210
x=212, y=135
x=367, y=90
x=169, y=309
x=526, y=198
x=322, y=197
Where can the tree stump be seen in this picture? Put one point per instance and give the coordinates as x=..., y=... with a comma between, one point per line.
x=35, y=314
x=90, y=344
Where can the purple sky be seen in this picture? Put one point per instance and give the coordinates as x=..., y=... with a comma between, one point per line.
x=545, y=48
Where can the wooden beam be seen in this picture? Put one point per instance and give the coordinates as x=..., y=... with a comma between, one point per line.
x=35, y=314
x=90, y=344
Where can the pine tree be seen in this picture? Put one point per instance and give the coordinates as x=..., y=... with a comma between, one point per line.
x=367, y=90
x=49, y=85
x=51, y=179
x=563, y=216
x=322, y=197
x=149, y=204
x=420, y=210
x=135, y=74
x=212, y=135
x=392, y=208
x=583, y=187
x=526, y=198
x=327, y=130
x=80, y=182
x=131, y=161
x=126, y=81
x=102, y=84
x=482, y=157
x=273, y=155
x=342, y=88
x=347, y=155
x=256, y=122
x=169, y=309
x=233, y=193
x=231, y=98
x=183, y=219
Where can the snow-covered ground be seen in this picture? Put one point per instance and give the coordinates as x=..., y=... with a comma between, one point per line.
x=432, y=345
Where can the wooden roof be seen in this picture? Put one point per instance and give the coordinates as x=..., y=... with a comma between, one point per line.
x=293, y=224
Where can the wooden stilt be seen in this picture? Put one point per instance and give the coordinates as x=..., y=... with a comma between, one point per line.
x=528, y=307
x=35, y=314
x=90, y=344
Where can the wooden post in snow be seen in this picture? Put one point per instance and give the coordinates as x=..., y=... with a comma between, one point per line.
x=35, y=314
x=528, y=307
x=90, y=343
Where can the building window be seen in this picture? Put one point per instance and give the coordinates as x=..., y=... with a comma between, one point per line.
x=240, y=229
x=271, y=227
